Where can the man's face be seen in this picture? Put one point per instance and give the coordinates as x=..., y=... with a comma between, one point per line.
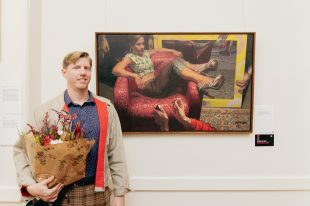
x=78, y=75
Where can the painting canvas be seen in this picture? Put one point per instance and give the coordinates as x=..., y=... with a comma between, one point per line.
x=178, y=82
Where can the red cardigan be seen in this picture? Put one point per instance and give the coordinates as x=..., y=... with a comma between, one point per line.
x=201, y=126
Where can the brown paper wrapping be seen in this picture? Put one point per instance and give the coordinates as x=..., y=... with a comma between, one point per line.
x=65, y=161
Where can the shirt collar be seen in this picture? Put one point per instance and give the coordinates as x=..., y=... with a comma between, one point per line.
x=68, y=100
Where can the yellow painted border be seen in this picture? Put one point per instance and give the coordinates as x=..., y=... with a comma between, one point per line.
x=241, y=39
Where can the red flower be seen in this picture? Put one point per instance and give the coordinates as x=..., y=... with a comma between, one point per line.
x=46, y=140
x=50, y=132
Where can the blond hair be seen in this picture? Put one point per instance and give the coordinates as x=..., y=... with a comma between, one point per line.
x=73, y=57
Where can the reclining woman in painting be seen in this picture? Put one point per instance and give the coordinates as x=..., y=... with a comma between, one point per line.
x=162, y=84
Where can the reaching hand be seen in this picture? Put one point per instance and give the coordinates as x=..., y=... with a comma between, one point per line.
x=178, y=110
x=244, y=82
x=42, y=191
x=179, y=113
x=161, y=118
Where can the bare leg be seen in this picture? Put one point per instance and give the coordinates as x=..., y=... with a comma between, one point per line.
x=212, y=64
x=203, y=82
x=191, y=75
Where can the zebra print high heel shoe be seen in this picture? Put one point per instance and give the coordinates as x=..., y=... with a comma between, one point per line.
x=216, y=83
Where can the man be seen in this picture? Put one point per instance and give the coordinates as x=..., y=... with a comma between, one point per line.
x=106, y=169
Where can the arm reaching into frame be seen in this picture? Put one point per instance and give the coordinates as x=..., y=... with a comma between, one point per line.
x=245, y=81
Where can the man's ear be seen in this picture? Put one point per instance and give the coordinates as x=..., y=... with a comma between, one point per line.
x=63, y=71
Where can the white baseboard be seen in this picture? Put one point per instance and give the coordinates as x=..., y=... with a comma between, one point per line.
x=219, y=184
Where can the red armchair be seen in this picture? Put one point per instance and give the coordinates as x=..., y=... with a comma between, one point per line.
x=136, y=110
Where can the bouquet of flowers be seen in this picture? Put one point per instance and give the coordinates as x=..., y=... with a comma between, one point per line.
x=57, y=150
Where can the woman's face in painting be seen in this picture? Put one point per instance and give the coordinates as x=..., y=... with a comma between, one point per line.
x=138, y=47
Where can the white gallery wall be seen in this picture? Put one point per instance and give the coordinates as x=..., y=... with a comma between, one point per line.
x=13, y=68
x=179, y=169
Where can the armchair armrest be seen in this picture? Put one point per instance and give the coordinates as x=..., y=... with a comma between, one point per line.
x=194, y=99
x=121, y=94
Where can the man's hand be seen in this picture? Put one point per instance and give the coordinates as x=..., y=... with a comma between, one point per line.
x=42, y=191
x=161, y=118
x=178, y=110
x=179, y=113
x=244, y=82
x=119, y=201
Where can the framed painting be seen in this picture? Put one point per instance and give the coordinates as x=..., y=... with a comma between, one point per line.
x=178, y=82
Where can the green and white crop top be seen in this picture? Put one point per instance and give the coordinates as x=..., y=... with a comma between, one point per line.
x=142, y=65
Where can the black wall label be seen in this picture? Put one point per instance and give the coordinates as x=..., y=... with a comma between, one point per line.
x=264, y=140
